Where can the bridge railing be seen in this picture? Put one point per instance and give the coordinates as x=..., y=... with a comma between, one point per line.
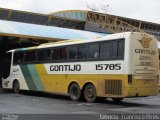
x=110, y=23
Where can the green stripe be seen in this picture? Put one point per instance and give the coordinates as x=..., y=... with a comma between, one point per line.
x=32, y=78
x=28, y=77
x=36, y=77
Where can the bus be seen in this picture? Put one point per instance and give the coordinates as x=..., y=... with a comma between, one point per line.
x=115, y=66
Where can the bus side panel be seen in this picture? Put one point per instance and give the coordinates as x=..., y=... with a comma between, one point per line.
x=60, y=75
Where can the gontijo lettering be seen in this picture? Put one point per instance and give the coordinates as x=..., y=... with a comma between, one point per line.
x=142, y=51
x=75, y=67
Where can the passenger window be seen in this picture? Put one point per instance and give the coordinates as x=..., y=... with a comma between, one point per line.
x=82, y=52
x=63, y=53
x=93, y=50
x=73, y=52
x=121, y=49
x=43, y=55
x=18, y=57
x=105, y=50
x=30, y=56
x=59, y=53
x=114, y=49
x=55, y=54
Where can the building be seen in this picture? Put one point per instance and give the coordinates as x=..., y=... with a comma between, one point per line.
x=83, y=20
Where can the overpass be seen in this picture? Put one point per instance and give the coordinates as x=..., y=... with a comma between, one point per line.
x=82, y=20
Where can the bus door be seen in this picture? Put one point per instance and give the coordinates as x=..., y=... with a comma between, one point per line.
x=7, y=65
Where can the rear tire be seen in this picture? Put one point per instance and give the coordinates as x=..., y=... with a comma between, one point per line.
x=16, y=87
x=117, y=99
x=90, y=93
x=75, y=92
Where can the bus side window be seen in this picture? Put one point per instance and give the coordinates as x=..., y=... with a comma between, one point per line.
x=93, y=50
x=59, y=53
x=105, y=50
x=18, y=57
x=63, y=53
x=82, y=52
x=120, y=49
x=55, y=54
x=114, y=49
x=15, y=58
x=43, y=55
x=30, y=56
x=73, y=52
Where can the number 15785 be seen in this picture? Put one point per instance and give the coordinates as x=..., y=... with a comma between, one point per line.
x=108, y=66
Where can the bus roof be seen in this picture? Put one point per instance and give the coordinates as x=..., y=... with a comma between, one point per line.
x=71, y=42
x=109, y=37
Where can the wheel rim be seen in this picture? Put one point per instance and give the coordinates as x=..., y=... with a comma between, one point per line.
x=75, y=92
x=90, y=93
x=16, y=87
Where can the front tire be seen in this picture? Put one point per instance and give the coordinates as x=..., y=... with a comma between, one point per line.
x=90, y=93
x=75, y=92
x=16, y=87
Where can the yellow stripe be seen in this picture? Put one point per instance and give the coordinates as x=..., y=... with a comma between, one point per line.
x=42, y=73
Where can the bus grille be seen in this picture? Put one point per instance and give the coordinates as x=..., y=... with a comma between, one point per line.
x=113, y=87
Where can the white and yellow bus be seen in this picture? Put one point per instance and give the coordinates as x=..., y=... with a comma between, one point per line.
x=116, y=66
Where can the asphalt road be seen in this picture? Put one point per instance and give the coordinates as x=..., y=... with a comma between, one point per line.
x=43, y=106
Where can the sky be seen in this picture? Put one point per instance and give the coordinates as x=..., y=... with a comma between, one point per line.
x=147, y=10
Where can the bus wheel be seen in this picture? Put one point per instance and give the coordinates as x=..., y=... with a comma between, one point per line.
x=16, y=86
x=74, y=92
x=90, y=93
x=117, y=99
